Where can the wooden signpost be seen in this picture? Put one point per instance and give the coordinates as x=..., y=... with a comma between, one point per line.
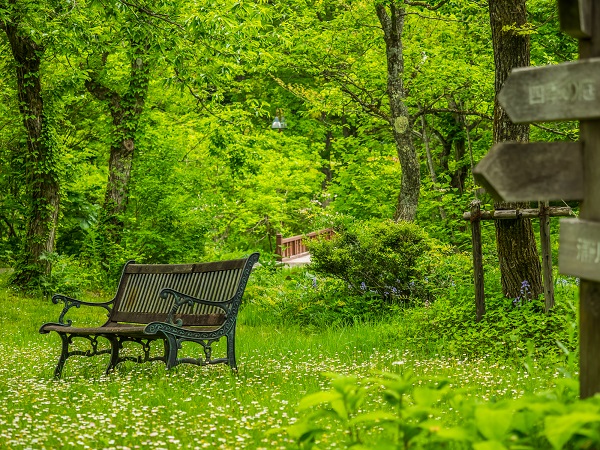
x=515, y=172
x=568, y=91
x=576, y=18
x=580, y=249
x=562, y=92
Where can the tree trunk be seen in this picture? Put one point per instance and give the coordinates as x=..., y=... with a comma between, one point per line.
x=460, y=148
x=392, y=25
x=517, y=249
x=125, y=111
x=41, y=177
x=325, y=154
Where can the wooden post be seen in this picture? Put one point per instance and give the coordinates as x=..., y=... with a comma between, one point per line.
x=279, y=246
x=477, y=259
x=589, y=292
x=546, y=256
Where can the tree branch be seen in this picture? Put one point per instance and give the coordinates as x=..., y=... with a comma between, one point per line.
x=552, y=130
x=426, y=5
x=11, y=229
x=149, y=12
x=455, y=111
x=200, y=100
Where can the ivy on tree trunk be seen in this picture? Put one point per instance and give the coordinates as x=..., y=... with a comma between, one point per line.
x=125, y=111
x=41, y=176
x=516, y=243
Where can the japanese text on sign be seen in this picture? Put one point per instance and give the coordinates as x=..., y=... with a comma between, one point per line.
x=588, y=250
x=562, y=92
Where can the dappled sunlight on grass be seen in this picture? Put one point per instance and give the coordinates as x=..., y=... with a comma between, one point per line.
x=143, y=406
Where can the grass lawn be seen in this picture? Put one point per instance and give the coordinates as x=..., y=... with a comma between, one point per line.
x=144, y=406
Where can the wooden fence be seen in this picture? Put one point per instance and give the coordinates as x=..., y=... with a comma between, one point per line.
x=295, y=246
x=543, y=212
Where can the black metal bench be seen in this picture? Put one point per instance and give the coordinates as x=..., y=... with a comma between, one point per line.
x=169, y=302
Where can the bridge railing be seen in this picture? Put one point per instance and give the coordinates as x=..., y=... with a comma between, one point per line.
x=295, y=246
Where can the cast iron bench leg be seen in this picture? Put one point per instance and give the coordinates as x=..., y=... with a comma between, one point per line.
x=64, y=354
x=115, y=346
x=231, y=350
x=173, y=347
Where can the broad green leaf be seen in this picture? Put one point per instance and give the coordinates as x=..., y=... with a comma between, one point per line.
x=455, y=433
x=318, y=398
x=489, y=445
x=375, y=416
x=427, y=396
x=304, y=432
x=559, y=429
x=339, y=406
x=524, y=421
x=493, y=424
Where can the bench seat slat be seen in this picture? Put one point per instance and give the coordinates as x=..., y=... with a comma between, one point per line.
x=131, y=330
x=122, y=330
x=188, y=319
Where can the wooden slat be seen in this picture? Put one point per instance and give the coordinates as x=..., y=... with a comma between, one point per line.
x=186, y=268
x=188, y=319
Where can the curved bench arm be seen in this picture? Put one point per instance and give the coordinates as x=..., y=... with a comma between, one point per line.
x=73, y=302
x=183, y=299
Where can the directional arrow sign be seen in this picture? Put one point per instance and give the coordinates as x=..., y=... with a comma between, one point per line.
x=568, y=91
x=579, y=253
x=514, y=172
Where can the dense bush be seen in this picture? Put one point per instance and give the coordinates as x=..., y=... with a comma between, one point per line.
x=306, y=297
x=373, y=257
x=302, y=298
x=508, y=329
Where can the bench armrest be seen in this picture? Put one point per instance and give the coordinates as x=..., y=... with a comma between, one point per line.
x=183, y=299
x=73, y=302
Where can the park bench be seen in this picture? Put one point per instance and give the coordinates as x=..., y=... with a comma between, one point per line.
x=174, y=303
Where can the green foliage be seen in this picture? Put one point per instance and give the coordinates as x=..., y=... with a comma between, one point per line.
x=365, y=179
x=373, y=257
x=410, y=417
x=507, y=330
x=69, y=276
x=299, y=297
x=343, y=408
x=302, y=296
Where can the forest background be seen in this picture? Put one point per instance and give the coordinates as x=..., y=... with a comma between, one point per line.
x=148, y=125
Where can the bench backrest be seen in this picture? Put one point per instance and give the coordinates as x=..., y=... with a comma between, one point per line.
x=138, y=300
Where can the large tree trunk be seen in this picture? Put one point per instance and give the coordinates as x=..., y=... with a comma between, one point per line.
x=41, y=177
x=125, y=111
x=392, y=25
x=516, y=243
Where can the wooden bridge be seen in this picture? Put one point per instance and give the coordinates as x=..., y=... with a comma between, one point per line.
x=293, y=251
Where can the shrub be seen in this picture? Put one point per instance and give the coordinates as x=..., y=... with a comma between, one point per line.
x=373, y=257
x=300, y=297
x=69, y=276
x=507, y=330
